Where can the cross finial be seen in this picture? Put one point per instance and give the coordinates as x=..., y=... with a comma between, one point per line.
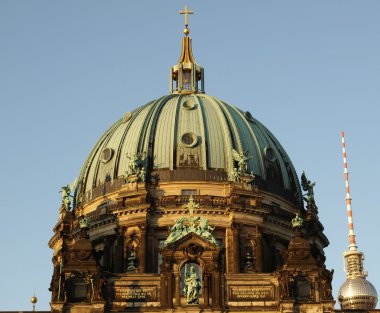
x=191, y=206
x=186, y=12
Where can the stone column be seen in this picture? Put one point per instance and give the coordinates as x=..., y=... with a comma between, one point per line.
x=164, y=291
x=222, y=289
x=232, y=248
x=259, y=251
x=119, y=251
x=229, y=252
x=216, y=290
x=151, y=251
x=142, y=248
x=177, y=289
x=236, y=247
x=107, y=241
x=170, y=289
x=205, y=291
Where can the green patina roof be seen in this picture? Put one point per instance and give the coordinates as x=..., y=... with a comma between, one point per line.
x=157, y=129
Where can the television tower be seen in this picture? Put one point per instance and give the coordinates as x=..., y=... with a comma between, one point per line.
x=356, y=293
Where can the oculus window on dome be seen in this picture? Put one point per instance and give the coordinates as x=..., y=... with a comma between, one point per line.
x=107, y=155
x=189, y=140
x=127, y=116
x=248, y=116
x=187, y=105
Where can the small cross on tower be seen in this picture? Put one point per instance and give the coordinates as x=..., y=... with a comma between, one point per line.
x=186, y=12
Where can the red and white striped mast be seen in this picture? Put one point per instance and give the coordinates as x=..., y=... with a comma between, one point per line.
x=356, y=293
x=351, y=233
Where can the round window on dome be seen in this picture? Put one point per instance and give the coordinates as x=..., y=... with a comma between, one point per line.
x=127, y=116
x=107, y=154
x=248, y=116
x=188, y=105
x=189, y=140
x=269, y=154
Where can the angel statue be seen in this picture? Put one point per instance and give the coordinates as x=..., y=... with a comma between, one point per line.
x=66, y=194
x=135, y=162
x=205, y=230
x=308, y=186
x=241, y=159
x=235, y=175
x=178, y=230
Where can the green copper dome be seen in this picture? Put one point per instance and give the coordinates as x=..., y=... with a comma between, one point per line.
x=189, y=137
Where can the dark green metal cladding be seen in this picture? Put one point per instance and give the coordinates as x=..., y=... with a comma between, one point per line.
x=194, y=131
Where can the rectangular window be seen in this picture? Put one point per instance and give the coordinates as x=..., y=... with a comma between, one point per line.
x=188, y=192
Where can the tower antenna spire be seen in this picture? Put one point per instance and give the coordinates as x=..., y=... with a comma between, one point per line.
x=351, y=233
x=356, y=293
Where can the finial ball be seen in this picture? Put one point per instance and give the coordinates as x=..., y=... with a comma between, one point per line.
x=186, y=31
x=33, y=300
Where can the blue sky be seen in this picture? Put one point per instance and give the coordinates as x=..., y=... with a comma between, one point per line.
x=69, y=69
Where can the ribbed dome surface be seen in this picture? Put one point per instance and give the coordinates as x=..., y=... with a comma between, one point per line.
x=357, y=294
x=193, y=132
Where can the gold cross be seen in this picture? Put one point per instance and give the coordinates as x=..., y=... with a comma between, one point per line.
x=186, y=12
x=191, y=206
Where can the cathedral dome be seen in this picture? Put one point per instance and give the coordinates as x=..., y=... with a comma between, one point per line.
x=192, y=137
x=183, y=194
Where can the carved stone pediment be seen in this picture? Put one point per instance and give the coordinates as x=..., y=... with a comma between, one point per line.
x=191, y=238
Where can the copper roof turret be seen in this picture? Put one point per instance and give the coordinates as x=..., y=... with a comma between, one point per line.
x=186, y=76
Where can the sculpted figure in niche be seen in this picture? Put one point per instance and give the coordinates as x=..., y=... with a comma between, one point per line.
x=192, y=287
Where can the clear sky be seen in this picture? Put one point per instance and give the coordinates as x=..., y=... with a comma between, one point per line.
x=70, y=69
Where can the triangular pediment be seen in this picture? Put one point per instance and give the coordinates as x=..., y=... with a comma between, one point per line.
x=191, y=238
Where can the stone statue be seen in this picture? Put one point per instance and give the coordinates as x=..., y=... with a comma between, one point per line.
x=135, y=168
x=252, y=177
x=131, y=266
x=66, y=202
x=240, y=173
x=134, y=162
x=66, y=194
x=242, y=160
x=249, y=261
x=178, y=230
x=192, y=287
x=235, y=175
x=204, y=230
x=141, y=175
x=308, y=186
x=194, y=225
